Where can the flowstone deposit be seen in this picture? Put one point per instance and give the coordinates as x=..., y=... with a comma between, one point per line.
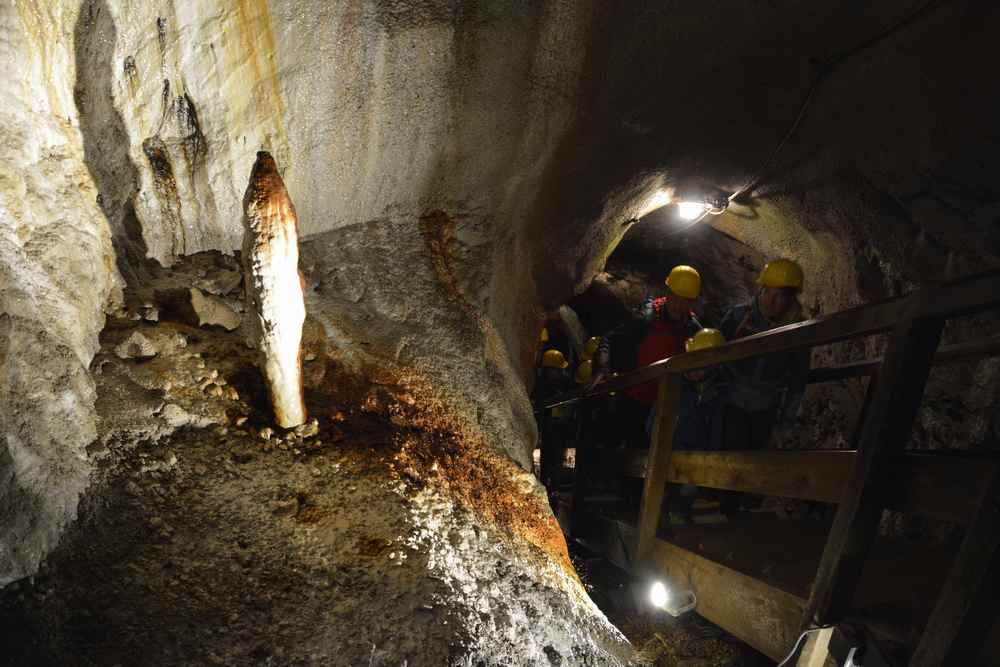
x=275, y=309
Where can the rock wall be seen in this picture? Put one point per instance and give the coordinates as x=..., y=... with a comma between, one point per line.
x=137, y=122
x=379, y=114
x=461, y=167
x=57, y=274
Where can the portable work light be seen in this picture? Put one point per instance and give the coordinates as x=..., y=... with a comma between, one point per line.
x=674, y=603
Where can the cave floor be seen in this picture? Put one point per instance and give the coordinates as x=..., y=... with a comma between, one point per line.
x=210, y=537
x=215, y=545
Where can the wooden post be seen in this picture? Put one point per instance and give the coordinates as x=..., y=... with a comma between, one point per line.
x=866, y=406
x=887, y=427
x=816, y=650
x=966, y=609
x=660, y=446
x=584, y=443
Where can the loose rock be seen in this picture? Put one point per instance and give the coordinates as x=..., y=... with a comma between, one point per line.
x=213, y=311
x=221, y=282
x=288, y=507
x=136, y=346
x=307, y=430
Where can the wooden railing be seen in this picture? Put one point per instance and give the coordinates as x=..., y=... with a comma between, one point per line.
x=954, y=488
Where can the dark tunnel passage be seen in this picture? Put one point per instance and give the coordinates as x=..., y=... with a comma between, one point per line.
x=589, y=447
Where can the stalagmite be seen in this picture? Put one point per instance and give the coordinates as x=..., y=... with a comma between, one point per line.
x=275, y=308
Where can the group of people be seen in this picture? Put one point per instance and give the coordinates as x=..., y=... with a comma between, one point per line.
x=732, y=406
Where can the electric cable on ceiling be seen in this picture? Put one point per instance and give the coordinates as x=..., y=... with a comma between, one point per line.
x=827, y=68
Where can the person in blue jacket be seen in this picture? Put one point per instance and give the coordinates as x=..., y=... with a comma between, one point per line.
x=765, y=391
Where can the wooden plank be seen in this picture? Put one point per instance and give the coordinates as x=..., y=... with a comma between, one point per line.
x=843, y=371
x=660, y=447
x=966, y=610
x=936, y=485
x=816, y=650
x=976, y=349
x=886, y=429
x=946, y=301
x=815, y=475
x=861, y=321
x=962, y=297
x=764, y=617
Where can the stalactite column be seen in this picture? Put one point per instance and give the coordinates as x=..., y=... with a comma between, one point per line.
x=275, y=307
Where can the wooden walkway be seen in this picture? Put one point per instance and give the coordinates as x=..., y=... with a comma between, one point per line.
x=877, y=474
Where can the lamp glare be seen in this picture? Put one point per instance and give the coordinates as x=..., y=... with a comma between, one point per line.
x=691, y=210
x=658, y=595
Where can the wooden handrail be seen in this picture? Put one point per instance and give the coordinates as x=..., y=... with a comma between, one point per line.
x=950, y=354
x=951, y=300
x=939, y=485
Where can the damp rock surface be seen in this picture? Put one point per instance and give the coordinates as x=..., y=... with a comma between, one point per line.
x=365, y=537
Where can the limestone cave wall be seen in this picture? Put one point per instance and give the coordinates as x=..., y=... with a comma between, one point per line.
x=459, y=168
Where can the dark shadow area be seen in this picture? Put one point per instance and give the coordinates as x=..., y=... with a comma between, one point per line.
x=106, y=142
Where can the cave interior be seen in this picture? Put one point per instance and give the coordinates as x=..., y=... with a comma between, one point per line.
x=279, y=280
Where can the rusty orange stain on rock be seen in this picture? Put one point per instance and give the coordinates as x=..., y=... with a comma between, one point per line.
x=256, y=36
x=438, y=230
x=439, y=233
x=166, y=189
x=425, y=443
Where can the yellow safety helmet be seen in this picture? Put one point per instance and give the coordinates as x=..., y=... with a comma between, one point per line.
x=684, y=281
x=704, y=339
x=590, y=347
x=584, y=372
x=781, y=273
x=554, y=359
x=544, y=337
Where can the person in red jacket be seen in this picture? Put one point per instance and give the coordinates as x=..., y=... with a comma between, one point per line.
x=659, y=330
